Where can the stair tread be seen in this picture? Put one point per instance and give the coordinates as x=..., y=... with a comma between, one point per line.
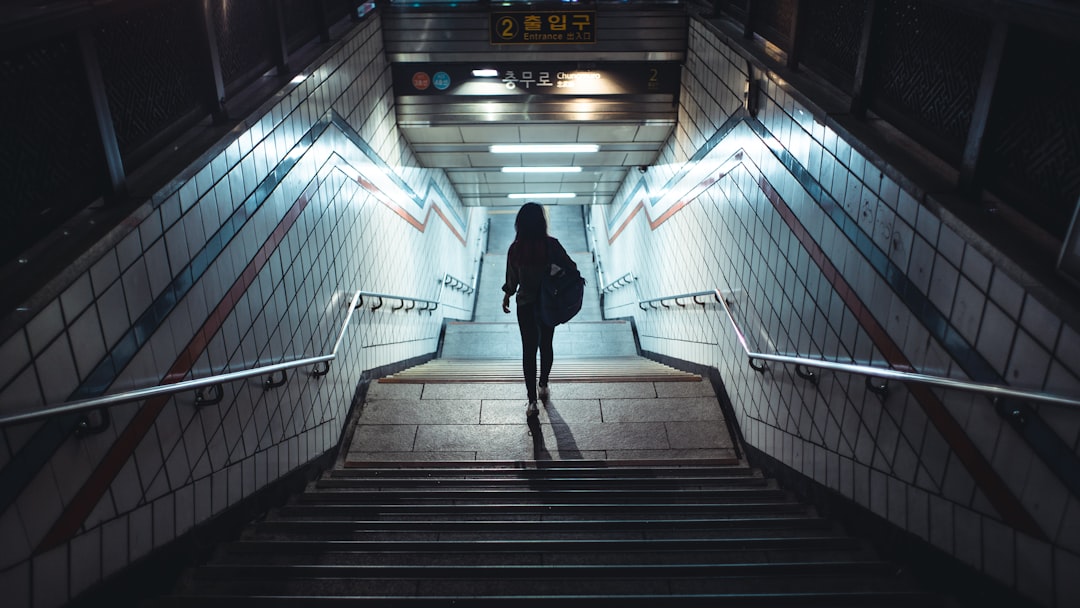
x=619, y=533
x=566, y=369
x=905, y=598
x=502, y=467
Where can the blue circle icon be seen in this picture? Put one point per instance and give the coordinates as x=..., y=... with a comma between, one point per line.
x=441, y=80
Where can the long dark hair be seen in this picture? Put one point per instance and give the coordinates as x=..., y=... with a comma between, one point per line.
x=530, y=246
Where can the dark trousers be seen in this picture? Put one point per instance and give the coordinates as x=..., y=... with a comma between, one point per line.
x=534, y=335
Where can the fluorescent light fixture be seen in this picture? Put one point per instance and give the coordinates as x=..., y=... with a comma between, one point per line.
x=485, y=73
x=543, y=195
x=541, y=169
x=542, y=148
x=301, y=77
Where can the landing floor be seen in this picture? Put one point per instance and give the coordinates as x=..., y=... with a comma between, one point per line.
x=486, y=421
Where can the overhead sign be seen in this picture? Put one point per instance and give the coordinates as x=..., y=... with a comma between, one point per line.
x=543, y=27
x=537, y=78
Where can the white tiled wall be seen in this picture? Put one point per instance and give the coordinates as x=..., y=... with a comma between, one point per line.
x=900, y=456
x=298, y=253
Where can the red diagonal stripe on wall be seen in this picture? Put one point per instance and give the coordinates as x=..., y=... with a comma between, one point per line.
x=992, y=485
x=1004, y=501
x=405, y=215
x=122, y=449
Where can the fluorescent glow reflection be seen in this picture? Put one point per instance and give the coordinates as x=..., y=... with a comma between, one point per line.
x=543, y=148
x=543, y=195
x=541, y=169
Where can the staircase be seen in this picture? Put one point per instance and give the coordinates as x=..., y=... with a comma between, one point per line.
x=620, y=493
x=597, y=533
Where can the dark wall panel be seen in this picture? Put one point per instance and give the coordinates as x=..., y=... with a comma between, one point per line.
x=926, y=69
x=51, y=161
x=150, y=61
x=774, y=19
x=245, y=37
x=301, y=21
x=830, y=37
x=1033, y=143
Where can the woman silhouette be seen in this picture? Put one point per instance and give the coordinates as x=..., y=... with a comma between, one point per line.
x=526, y=262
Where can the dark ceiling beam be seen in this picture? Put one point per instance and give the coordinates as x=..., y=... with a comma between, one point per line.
x=751, y=18
x=980, y=116
x=215, y=82
x=114, y=161
x=860, y=85
x=793, y=35
x=281, y=45
x=1054, y=17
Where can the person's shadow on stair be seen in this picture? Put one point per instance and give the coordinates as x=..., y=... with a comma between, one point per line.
x=565, y=446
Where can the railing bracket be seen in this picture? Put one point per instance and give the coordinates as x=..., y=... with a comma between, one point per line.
x=202, y=401
x=270, y=383
x=804, y=372
x=320, y=372
x=877, y=389
x=758, y=367
x=84, y=428
x=1011, y=410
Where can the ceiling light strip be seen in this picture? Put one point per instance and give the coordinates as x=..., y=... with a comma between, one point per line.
x=542, y=195
x=543, y=148
x=541, y=169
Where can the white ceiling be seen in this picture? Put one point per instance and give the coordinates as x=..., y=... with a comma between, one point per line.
x=462, y=151
x=454, y=131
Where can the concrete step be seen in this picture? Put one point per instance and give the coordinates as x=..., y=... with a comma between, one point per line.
x=501, y=339
x=842, y=599
x=586, y=529
x=350, y=530
x=567, y=510
x=539, y=496
x=549, y=468
x=552, y=580
x=563, y=370
x=573, y=483
x=567, y=552
x=607, y=533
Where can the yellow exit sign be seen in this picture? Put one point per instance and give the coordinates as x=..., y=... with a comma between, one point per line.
x=543, y=27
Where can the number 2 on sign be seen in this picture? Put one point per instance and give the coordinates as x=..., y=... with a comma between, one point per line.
x=507, y=28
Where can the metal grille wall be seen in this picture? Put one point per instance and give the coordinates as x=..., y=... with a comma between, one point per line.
x=834, y=29
x=1033, y=142
x=777, y=18
x=927, y=71
x=244, y=30
x=50, y=153
x=927, y=66
x=102, y=87
x=301, y=23
x=151, y=74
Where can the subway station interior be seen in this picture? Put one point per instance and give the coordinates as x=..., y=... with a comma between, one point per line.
x=252, y=351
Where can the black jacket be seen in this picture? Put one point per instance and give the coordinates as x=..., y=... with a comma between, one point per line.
x=524, y=279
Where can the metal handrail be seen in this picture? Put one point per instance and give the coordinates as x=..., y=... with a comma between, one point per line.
x=596, y=254
x=993, y=390
x=457, y=284
x=96, y=403
x=622, y=281
x=676, y=299
x=428, y=304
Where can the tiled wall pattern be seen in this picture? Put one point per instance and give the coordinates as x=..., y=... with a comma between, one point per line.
x=822, y=253
x=249, y=258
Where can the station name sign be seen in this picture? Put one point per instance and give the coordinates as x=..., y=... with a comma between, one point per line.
x=543, y=27
x=537, y=78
